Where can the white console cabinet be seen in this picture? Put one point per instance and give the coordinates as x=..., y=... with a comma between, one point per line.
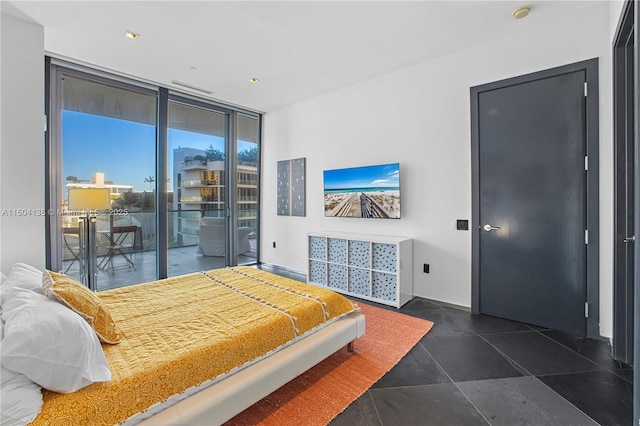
x=371, y=267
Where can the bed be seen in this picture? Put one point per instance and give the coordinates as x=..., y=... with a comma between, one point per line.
x=200, y=348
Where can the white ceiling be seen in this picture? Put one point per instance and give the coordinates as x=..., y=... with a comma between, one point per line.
x=298, y=49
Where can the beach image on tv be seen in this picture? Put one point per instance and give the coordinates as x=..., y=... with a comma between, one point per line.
x=370, y=191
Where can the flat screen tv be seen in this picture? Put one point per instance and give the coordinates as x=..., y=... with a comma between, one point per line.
x=368, y=191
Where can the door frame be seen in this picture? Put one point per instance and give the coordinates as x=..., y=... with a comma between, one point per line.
x=590, y=68
x=636, y=180
x=622, y=344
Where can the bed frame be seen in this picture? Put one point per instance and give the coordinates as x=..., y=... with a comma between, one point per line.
x=222, y=400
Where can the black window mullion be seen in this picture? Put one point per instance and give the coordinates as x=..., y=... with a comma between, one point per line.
x=231, y=188
x=162, y=140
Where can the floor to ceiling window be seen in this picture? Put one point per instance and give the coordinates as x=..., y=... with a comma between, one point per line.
x=108, y=140
x=107, y=132
x=197, y=211
x=248, y=136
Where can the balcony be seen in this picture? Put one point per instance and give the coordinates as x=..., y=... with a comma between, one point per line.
x=182, y=256
x=182, y=260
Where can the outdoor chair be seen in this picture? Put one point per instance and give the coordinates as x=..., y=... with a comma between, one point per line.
x=71, y=239
x=122, y=240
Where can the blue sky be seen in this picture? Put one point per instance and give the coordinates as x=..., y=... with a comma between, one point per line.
x=123, y=150
x=384, y=175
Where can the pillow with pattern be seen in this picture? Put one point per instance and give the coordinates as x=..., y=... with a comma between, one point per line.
x=84, y=302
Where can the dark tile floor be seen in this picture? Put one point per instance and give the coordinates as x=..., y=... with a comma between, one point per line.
x=480, y=370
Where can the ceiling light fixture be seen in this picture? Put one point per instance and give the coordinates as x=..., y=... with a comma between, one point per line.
x=131, y=35
x=254, y=80
x=521, y=12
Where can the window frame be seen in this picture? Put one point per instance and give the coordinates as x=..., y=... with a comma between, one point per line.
x=55, y=70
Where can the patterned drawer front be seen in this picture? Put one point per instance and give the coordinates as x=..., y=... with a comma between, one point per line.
x=360, y=254
x=384, y=257
x=317, y=248
x=359, y=281
x=384, y=286
x=338, y=277
x=337, y=250
x=317, y=272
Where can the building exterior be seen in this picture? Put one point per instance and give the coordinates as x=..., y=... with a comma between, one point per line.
x=199, y=190
x=97, y=181
x=247, y=198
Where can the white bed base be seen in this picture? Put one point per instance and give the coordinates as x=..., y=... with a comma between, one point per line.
x=221, y=401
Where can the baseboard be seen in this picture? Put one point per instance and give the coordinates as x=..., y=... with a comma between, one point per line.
x=447, y=304
x=283, y=268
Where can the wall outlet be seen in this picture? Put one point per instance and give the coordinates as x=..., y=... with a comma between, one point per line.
x=425, y=268
x=274, y=244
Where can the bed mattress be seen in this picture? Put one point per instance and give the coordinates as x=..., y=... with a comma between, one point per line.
x=181, y=332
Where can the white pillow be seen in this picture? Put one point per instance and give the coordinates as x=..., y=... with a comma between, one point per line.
x=50, y=344
x=20, y=399
x=29, y=276
x=21, y=276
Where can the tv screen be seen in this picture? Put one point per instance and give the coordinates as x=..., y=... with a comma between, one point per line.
x=368, y=191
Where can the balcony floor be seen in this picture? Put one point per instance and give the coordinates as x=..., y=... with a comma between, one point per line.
x=182, y=260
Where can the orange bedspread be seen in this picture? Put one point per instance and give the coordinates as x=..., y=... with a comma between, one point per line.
x=180, y=332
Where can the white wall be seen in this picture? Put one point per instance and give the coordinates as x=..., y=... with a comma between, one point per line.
x=615, y=10
x=420, y=117
x=21, y=143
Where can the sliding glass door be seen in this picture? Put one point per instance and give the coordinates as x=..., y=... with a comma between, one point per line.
x=182, y=175
x=247, y=165
x=108, y=140
x=197, y=207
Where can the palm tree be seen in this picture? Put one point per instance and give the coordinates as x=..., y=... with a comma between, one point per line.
x=150, y=180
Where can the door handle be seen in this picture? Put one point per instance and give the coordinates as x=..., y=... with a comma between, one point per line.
x=629, y=239
x=489, y=228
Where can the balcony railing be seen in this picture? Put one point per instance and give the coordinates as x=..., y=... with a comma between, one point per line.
x=180, y=233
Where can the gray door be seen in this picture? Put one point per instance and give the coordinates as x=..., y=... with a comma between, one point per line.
x=532, y=202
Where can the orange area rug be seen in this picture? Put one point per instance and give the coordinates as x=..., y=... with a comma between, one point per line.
x=324, y=391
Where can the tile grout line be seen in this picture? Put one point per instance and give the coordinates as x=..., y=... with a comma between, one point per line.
x=504, y=355
x=371, y=390
x=558, y=374
x=537, y=378
x=565, y=399
x=577, y=353
x=375, y=407
x=514, y=364
x=456, y=385
x=522, y=369
x=575, y=372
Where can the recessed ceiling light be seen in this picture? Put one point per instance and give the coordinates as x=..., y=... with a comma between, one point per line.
x=253, y=80
x=130, y=35
x=521, y=12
